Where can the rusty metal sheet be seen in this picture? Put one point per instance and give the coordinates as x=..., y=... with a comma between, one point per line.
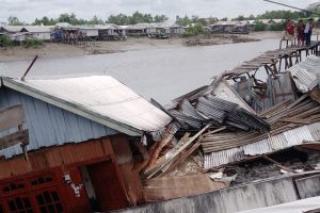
x=294, y=137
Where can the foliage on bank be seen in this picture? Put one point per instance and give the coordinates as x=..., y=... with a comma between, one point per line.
x=6, y=42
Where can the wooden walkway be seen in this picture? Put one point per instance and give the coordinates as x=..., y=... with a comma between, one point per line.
x=274, y=61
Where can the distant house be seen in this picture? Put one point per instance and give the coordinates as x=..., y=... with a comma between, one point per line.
x=39, y=32
x=111, y=32
x=89, y=31
x=230, y=27
x=18, y=38
x=10, y=29
x=176, y=29
x=64, y=32
x=72, y=145
x=139, y=29
x=270, y=21
x=20, y=33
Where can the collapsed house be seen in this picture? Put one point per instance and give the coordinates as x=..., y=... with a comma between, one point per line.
x=246, y=138
x=72, y=145
x=98, y=146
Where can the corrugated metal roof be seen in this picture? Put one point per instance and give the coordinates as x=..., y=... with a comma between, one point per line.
x=306, y=75
x=297, y=136
x=38, y=29
x=102, y=99
x=13, y=29
x=226, y=92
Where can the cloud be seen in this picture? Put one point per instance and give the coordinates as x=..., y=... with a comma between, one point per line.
x=28, y=10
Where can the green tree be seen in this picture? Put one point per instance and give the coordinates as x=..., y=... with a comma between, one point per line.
x=45, y=21
x=5, y=41
x=94, y=20
x=260, y=26
x=13, y=20
x=281, y=14
x=119, y=19
x=185, y=21
x=68, y=18
x=135, y=18
x=194, y=30
x=160, y=18
x=240, y=18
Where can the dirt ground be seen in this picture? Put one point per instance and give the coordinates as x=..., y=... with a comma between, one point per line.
x=63, y=50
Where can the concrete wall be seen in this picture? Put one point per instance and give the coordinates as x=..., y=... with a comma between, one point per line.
x=243, y=197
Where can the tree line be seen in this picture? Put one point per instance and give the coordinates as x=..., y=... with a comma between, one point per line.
x=138, y=17
x=120, y=19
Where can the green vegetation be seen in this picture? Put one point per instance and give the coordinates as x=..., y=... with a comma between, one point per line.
x=12, y=20
x=194, y=30
x=275, y=14
x=187, y=21
x=32, y=43
x=259, y=26
x=119, y=19
x=135, y=18
x=5, y=41
x=282, y=14
x=276, y=26
x=68, y=18
x=194, y=23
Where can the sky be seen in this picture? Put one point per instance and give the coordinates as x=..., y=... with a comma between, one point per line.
x=28, y=10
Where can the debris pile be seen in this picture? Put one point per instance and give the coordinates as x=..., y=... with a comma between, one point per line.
x=218, y=128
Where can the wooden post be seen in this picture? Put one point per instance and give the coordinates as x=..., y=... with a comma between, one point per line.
x=29, y=68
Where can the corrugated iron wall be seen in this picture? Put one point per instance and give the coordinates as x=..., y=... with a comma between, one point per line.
x=49, y=125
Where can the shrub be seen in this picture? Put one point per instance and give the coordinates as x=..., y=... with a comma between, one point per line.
x=5, y=41
x=259, y=26
x=277, y=26
x=32, y=42
x=194, y=30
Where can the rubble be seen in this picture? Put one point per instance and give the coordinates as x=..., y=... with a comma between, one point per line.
x=235, y=130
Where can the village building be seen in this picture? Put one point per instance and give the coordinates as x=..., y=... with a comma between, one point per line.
x=42, y=33
x=72, y=145
x=21, y=33
x=177, y=29
x=241, y=27
x=139, y=29
x=10, y=29
x=111, y=32
x=89, y=31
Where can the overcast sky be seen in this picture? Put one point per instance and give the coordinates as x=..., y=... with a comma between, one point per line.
x=28, y=10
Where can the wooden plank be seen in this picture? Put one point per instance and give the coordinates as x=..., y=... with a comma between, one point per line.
x=177, y=152
x=14, y=139
x=180, y=159
x=11, y=117
x=165, y=188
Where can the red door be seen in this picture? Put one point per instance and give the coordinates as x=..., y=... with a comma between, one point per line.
x=107, y=187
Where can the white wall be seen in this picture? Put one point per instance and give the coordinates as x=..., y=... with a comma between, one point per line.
x=42, y=36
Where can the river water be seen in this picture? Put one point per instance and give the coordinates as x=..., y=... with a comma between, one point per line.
x=162, y=74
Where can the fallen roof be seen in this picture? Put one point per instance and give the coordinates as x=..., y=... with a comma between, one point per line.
x=308, y=134
x=306, y=74
x=102, y=99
